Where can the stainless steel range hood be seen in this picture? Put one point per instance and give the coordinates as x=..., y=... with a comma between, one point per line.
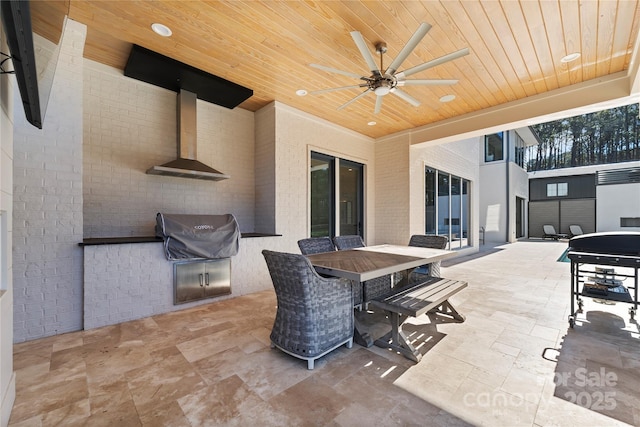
x=187, y=165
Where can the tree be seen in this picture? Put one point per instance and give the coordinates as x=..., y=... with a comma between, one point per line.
x=607, y=136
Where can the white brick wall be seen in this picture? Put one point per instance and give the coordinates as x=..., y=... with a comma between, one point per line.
x=130, y=126
x=400, y=182
x=393, y=185
x=8, y=85
x=298, y=133
x=265, y=184
x=131, y=281
x=47, y=263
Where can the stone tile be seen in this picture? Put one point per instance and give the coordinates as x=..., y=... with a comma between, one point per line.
x=311, y=402
x=219, y=403
x=159, y=383
x=212, y=364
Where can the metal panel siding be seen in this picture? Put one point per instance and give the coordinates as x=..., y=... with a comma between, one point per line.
x=578, y=212
x=618, y=176
x=579, y=186
x=541, y=213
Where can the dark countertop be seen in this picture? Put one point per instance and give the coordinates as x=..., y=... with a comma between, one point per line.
x=149, y=239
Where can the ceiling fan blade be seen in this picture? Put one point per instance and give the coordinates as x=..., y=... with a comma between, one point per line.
x=433, y=63
x=432, y=82
x=378, y=107
x=332, y=89
x=422, y=31
x=334, y=70
x=404, y=95
x=354, y=99
x=365, y=52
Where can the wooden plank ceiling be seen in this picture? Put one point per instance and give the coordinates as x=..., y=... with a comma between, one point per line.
x=516, y=48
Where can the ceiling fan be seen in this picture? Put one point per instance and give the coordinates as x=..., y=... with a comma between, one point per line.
x=384, y=81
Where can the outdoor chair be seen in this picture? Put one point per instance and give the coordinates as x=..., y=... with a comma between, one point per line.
x=423, y=272
x=371, y=288
x=317, y=245
x=549, y=232
x=314, y=314
x=575, y=230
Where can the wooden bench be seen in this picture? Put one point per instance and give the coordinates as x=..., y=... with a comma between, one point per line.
x=429, y=296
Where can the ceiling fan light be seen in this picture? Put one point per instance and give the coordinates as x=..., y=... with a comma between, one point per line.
x=382, y=90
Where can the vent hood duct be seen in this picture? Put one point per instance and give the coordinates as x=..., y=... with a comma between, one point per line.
x=187, y=165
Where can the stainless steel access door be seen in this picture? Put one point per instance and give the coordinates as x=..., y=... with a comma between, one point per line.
x=196, y=280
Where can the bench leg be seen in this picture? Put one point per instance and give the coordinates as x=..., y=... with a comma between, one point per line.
x=396, y=339
x=449, y=310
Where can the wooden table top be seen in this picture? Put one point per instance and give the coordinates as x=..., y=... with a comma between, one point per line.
x=374, y=261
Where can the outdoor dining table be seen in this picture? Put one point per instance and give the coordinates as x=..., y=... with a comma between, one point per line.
x=370, y=262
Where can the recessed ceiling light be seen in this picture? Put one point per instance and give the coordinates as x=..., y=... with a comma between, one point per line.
x=447, y=98
x=571, y=57
x=301, y=92
x=161, y=29
x=372, y=123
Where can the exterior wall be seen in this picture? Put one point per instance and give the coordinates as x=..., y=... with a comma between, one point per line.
x=501, y=182
x=47, y=222
x=457, y=158
x=400, y=190
x=131, y=281
x=614, y=202
x=493, y=201
x=265, y=184
x=393, y=189
x=519, y=181
x=130, y=126
x=7, y=376
x=297, y=134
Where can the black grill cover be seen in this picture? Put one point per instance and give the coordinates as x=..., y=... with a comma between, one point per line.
x=198, y=236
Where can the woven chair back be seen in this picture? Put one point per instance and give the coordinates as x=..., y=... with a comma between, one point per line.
x=316, y=245
x=423, y=241
x=348, y=242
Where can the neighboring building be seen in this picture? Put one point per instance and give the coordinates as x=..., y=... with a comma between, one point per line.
x=597, y=198
x=504, y=190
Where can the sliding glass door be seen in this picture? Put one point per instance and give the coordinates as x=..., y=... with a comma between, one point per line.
x=448, y=213
x=337, y=196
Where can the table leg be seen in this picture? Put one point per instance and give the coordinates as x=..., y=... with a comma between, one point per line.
x=360, y=335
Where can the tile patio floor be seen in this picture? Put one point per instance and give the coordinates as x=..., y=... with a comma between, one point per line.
x=513, y=362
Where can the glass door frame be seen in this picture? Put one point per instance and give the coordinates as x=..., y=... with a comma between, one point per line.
x=336, y=161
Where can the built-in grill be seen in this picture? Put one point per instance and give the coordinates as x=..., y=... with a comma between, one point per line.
x=203, y=246
x=604, y=266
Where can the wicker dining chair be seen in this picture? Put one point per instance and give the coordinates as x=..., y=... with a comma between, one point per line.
x=317, y=245
x=373, y=288
x=422, y=273
x=315, y=314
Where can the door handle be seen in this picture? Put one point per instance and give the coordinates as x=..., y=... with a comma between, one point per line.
x=206, y=279
x=200, y=276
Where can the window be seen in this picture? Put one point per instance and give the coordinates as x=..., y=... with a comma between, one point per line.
x=559, y=189
x=447, y=213
x=520, y=150
x=493, y=147
x=337, y=194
